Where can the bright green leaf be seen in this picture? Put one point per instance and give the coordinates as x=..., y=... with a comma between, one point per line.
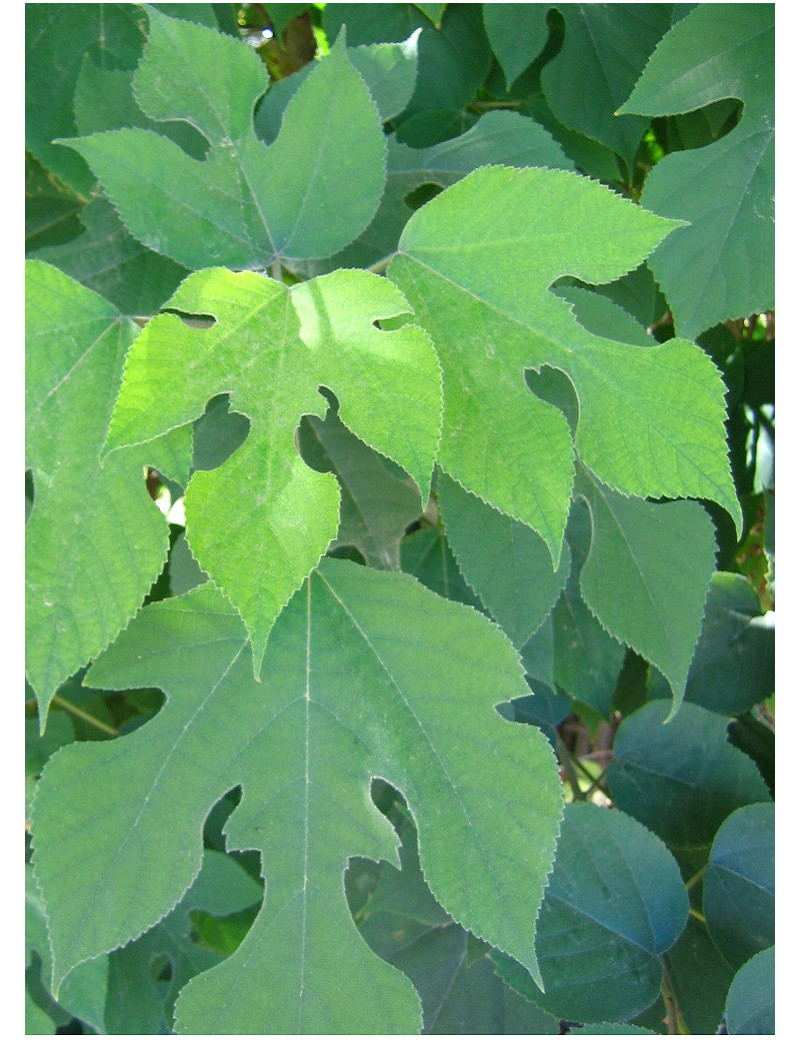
x=739, y=884
x=614, y=903
x=651, y=419
x=265, y=505
x=246, y=204
x=681, y=779
x=498, y=137
x=95, y=541
x=368, y=674
x=723, y=265
x=750, y=1008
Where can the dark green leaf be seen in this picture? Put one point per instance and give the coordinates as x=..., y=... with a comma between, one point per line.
x=739, y=884
x=750, y=1008
x=681, y=779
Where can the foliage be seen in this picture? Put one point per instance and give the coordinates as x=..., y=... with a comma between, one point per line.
x=399, y=511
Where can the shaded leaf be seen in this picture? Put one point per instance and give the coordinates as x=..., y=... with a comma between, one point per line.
x=723, y=264
x=517, y=33
x=739, y=884
x=368, y=674
x=427, y=555
x=137, y=1002
x=614, y=903
x=699, y=977
x=275, y=512
x=683, y=779
x=610, y=44
x=95, y=541
x=51, y=208
x=378, y=502
x=504, y=561
x=645, y=559
x=750, y=1008
x=651, y=419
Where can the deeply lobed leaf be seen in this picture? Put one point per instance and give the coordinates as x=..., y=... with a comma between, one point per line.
x=262, y=520
x=368, y=674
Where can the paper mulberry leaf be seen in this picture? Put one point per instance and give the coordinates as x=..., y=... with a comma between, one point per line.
x=368, y=674
x=95, y=541
x=506, y=562
x=651, y=419
x=261, y=521
x=610, y=44
x=723, y=264
x=246, y=204
x=497, y=137
x=636, y=581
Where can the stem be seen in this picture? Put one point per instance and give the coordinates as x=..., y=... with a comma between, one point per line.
x=382, y=264
x=67, y=706
x=277, y=270
x=672, y=1017
x=566, y=761
x=479, y=107
x=693, y=880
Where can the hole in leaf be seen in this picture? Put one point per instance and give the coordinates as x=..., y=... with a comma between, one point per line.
x=29, y=493
x=423, y=193
x=218, y=433
x=555, y=387
x=194, y=321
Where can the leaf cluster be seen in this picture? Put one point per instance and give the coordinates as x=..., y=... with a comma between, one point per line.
x=399, y=518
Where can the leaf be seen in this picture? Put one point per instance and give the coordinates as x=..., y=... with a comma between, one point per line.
x=634, y=581
x=246, y=205
x=681, y=780
x=518, y=33
x=83, y=992
x=614, y=903
x=136, y=1003
x=95, y=541
x=427, y=555
x=56, y=40
x=378, y=503
x=739, y=884
x=610, y=44
x=572, y=651
x=389, y=71
x=458, y=987
x=723, y=264
x=265, y=505
x=498, y=137
x=507, y=563
x=651, y=419
x=751, y=1000
x=39, y=747
x=368, y=674
x=110, y=262
x=733, y=667
x=51, y=208
x=700, y=978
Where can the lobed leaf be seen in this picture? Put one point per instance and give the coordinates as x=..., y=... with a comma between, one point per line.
x=651, y=419
x=95, y=541
x=722, y=265
x=271, y=349
x=368, y=674
x=246, y=204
